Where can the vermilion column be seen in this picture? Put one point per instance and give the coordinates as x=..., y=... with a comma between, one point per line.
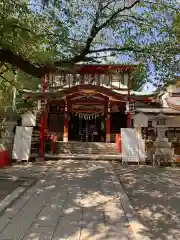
x=128, y=103
x=128, y=120
x=108, y=110
x=46, y=118
x=41, y=137
x=65, y=136
x=42, y=120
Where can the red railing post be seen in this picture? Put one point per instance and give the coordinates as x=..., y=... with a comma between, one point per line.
x=42, y=119
x=128, y=121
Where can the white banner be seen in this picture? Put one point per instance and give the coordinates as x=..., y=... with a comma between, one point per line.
x=133, y=146
x=22, y=143
x=28, y=119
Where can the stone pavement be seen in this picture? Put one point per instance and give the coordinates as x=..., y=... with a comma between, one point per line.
x=155, y=196
x=74, y=200
x=7, y=186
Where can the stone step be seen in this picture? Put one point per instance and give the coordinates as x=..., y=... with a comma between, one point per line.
x=96, y=157
x=94, y=148
x=85, y=148
x=85, y=152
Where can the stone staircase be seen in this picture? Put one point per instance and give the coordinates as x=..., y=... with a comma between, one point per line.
x=76, y=150
x=84, y=150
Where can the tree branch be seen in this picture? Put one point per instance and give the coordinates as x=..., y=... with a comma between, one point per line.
x=95, y=30
x=119, y=10
x=13, y=26
x=7, y=56
x=14, y=85
x=5, y=70
x=93, y=33
x=122, y=49
x=113, y=49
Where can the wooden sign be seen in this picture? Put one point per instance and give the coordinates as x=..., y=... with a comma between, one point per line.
x=78, y=79
x=133, y=146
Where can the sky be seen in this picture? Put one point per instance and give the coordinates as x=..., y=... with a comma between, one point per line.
x=148, y=87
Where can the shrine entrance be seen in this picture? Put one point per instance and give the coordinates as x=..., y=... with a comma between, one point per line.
x=85, y=128
x=87, y=115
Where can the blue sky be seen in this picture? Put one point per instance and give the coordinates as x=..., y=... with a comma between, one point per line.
x=148, y=87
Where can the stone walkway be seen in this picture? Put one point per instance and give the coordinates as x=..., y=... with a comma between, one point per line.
x=7, y=186
x=74, y=200
x=155, y=196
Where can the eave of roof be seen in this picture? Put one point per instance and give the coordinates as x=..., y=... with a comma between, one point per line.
x=173, y=102
x=122, y=92
x=158, y=110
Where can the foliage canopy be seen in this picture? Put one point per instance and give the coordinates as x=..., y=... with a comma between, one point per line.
x=38, y=36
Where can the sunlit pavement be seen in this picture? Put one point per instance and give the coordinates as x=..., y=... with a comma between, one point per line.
x=155, y=196
x=74, y=200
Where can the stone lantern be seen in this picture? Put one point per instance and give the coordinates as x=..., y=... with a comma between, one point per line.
x=163, y=150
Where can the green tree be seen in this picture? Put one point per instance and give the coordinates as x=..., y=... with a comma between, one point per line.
x=176, y=26
x=67, y=32
x=23, y=34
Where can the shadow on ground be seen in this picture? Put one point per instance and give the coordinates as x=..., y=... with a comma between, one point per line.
x=155, y=195
x=78, y=202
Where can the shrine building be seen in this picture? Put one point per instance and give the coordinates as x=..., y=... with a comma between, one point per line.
x=92, y=104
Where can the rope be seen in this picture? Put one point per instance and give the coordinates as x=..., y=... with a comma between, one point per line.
x=89, y=115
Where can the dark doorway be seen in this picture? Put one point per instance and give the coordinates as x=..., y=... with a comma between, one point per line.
x=118, y=121
x=89, y=130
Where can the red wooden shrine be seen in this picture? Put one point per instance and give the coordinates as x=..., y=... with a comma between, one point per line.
x=84, y=94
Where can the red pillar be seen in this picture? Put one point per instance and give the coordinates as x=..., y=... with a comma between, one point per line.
x=108, y=110
x=128, y=119
x=42, y=120
x=46, y=119
x=41, y=140
x=65, y=136
x=127, y=106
